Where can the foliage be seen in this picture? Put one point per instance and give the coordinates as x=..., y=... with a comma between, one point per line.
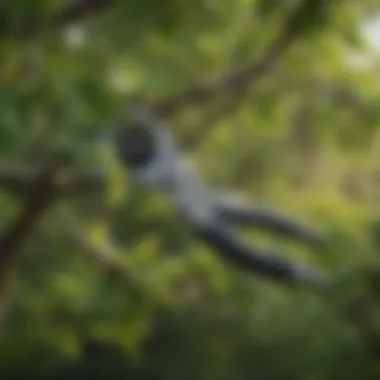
x=126, y=291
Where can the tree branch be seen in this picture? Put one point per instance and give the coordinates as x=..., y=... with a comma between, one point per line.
x=20, y=179
x=221, y=112
x=239, y=79
x=39, y=195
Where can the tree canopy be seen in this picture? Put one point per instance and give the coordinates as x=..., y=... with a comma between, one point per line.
x=275, y=100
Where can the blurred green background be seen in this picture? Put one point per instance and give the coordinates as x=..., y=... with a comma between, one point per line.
x=109, y=285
